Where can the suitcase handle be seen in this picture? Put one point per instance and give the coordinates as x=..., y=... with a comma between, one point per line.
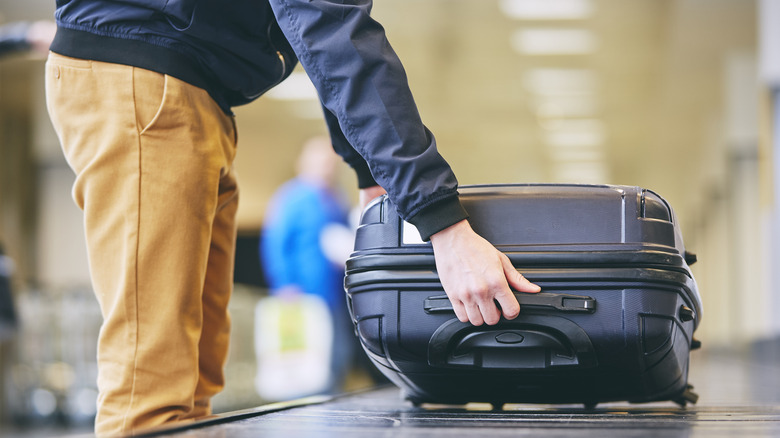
x=531, y=342
x=560, y=302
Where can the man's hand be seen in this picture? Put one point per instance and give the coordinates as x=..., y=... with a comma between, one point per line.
x=475, y=275
x=369, y=193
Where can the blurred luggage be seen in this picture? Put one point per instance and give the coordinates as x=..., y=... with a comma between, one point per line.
x=293, y=343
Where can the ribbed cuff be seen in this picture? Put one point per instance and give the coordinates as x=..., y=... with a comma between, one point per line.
x=438, y=216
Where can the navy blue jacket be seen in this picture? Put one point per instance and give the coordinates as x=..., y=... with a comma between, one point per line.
x=239, y=49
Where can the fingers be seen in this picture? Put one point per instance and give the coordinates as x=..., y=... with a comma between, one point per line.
x=479, y=307
x=509, y=305
x=460, y=310
x=475, y=314
x=476, y=276
x=470, y=312
x=490, y=313
x=515, y=279
x=475, y=310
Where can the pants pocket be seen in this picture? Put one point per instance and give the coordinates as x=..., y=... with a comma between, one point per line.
x=149, y=91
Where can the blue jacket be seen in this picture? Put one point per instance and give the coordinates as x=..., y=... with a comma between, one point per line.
x=291, y=244
x=239, y=49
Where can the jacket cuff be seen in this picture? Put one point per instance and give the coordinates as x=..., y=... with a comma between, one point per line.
x=438, y=216
x=364, y=177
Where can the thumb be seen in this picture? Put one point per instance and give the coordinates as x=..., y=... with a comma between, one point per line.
x=516, y=280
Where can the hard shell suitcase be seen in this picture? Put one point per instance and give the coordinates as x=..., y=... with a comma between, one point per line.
x=614, y=321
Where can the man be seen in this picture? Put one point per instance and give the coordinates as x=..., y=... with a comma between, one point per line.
x=304, y=245
x=140, y=94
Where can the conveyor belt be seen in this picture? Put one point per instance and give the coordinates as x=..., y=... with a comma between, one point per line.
x=740, y=396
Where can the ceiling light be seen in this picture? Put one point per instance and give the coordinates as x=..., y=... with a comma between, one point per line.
x=558, y=130
x=560, y=81
x=574, y=138
x=546, y=9
x=553, y=41
x=563, y=107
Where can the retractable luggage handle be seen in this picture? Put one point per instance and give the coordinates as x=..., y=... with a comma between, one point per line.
x=560, y=302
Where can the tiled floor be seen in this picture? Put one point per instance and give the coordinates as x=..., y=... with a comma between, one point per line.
x=740, y=397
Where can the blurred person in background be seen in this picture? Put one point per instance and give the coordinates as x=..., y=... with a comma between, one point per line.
x=22, y=36
x=304, y=237
x=140, y=94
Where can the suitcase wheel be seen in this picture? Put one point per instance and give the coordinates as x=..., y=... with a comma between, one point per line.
x=688, y=396
x=414, y=401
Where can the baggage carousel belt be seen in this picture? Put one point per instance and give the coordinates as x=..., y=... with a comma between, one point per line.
x=740, y=396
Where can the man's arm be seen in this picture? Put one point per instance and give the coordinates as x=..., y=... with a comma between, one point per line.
x=363, y=88
x=369, y=107
x=474, y=274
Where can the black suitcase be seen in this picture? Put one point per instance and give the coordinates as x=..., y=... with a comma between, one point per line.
x=614, y=321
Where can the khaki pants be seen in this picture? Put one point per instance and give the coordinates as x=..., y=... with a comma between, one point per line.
x=153, y=162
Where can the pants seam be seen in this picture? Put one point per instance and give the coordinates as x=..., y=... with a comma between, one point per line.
x=135, y=262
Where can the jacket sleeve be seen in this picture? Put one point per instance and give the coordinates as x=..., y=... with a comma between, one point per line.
x=363, y=86
x=347, y=152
